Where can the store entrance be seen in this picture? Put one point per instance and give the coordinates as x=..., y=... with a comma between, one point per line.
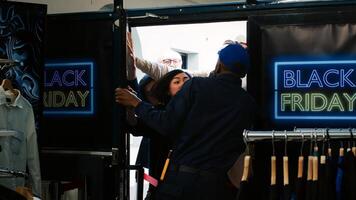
x=197, y=45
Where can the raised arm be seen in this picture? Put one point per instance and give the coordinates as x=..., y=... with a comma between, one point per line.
x=154, y=70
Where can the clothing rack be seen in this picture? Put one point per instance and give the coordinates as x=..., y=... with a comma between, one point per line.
x=5, y=173
x=300, y=134
x=6, y=63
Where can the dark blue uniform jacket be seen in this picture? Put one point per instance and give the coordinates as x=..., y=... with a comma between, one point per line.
x=205, y=120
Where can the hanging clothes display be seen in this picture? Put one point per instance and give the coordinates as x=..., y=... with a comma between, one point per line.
x=286, y=189
x=322, y=179
x=244, y=191
x=300, y=183
x=18, y=150
x=349, y=181
x=340, y=175
x=315, y=179
x=329, y=177
x=273, y=191
x=309, y=184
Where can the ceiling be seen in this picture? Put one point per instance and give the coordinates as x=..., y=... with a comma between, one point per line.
x=168, y=3
x=69, y=6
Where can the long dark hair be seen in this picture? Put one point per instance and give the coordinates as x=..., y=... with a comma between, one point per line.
x=161, y=89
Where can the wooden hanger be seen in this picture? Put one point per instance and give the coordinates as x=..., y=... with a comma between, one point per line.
x=301, y=159
x=310, y=168
x=310, y=160
x=315, y=168
x=273, y=164
x=7, y=85
x=246, y=168
x=285, y=171
x=273, y=170
x=341, y=152
x=285, y=162
x=165, y=167
x=315, y=159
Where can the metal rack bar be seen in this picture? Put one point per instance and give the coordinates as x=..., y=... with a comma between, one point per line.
x=5, y=173
x=300, y=134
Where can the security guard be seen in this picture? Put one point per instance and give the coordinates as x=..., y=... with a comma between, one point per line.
x=206, y=119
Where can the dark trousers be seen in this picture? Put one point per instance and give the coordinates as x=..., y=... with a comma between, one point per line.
x=179, y=185
x=151, y=193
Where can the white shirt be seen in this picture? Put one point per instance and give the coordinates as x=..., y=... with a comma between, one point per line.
x=18, y=149
x=157, y=71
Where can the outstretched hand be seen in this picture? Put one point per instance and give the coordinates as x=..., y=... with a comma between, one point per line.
x=126, y=98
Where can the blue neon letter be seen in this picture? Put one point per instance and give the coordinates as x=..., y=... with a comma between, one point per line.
x=64, y=80
x=344, y=78
x=299, y=84
x=288, y=80
x=314, y=78
x=325, y=78
x=56, y=79
x=78, y=78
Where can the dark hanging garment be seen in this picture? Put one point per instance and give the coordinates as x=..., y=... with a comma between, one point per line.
x=300, y=182
x=286, y=189
x=354, y=164
x=314, y=189
x=273, y=190
x=243, y=193
x=315, y=176
x=309, y=183
x=330, y=178
x=322, y=184
x=309, y=190
x=349, y=179
x=300, y=189
x=273, y=193
x=339, y=179
x=286, y=193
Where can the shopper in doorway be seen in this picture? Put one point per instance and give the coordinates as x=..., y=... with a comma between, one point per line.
x=154, y=147
x=159, y=145
x=206, y=119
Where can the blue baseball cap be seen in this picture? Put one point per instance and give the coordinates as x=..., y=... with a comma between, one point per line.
x=233, y=54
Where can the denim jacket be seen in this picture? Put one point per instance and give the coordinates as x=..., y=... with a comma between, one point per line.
x=18, y=141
